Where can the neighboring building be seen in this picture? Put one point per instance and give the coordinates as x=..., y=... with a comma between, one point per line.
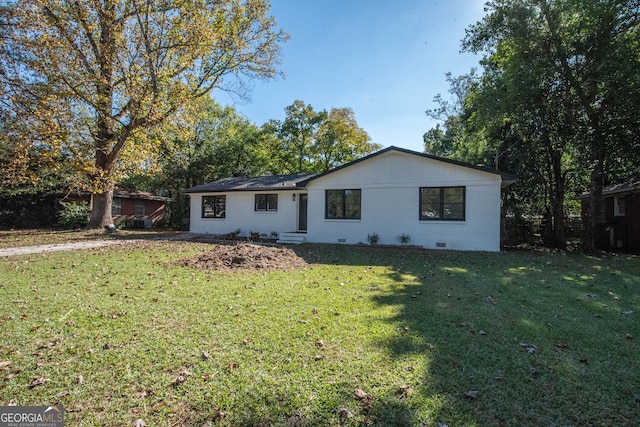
x=619, y=217
x=438, y=203
x=137, y=209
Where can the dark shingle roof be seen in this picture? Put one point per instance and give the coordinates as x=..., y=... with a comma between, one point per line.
x=284, y=182
x=631, y=186
x=256, y=183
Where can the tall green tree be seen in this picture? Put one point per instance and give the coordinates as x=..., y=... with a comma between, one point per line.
x=315, y=141
x=98, y=75
x=205, y=142
x=296, y=136
x=565, y=74
x=340, y=140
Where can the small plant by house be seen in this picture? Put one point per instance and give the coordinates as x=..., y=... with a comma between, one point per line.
x=403, y=238
x=373, y=238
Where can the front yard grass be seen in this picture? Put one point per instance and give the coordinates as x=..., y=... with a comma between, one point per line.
x=361, y=336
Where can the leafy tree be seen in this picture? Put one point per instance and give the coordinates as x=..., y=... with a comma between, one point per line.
x=340, y=140
x=94, y=77
x=296, y=136
x=315, y=141
x=206, y=142
x=565, y=72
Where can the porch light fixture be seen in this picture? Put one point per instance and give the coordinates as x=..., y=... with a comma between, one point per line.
x=293, y=197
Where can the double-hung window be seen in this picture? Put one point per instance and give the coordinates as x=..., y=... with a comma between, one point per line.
x=139, y=207
x=619, y=206
x=214, y=206
x=442, y=203
x=266, y=202
x=116, y=206
x=342, y=204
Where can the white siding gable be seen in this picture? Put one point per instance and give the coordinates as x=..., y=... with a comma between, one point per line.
x=390, y=185
x=397, y=169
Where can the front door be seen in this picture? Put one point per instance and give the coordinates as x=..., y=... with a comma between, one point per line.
x=302, y=212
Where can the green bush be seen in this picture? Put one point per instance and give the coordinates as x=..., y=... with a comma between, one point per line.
x=404, y=238
x=373, y=238
x=74, y=214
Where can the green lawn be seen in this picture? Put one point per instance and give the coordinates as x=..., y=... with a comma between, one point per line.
x=514, y=339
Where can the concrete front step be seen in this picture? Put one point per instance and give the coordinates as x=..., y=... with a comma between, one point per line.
x=292, y=238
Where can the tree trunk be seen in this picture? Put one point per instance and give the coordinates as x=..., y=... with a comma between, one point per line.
x=101, y=210
x=590, y=241
x=558, y=240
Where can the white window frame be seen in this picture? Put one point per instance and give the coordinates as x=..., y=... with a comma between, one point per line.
x=619, y=206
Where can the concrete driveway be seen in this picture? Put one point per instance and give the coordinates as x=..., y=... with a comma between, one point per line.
x=26, y=250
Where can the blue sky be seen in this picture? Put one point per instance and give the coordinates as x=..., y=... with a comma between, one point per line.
x=384, y=59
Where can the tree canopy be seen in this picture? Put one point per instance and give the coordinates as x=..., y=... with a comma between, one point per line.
x=89, y=79
x=558, y=99
x=316, y=141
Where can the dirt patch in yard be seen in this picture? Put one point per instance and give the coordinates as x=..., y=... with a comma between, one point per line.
x=244, y=256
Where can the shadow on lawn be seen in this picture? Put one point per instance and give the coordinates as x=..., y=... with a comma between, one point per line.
x=517, y=338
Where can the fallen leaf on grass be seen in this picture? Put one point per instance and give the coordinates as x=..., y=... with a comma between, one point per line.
x=360, y=394
x=61, y=394
x=182, y=376
x=405, y=390
x=207, y=377
x=320, y=343
x=142, y=394
x=531, y=348
x=47, y=345
x=138, y=423
x=5, y=364
x=38, y=380
x=246, y=341
x=179, y=380
x=471, y=394
x=344, y=413
x=79, y=379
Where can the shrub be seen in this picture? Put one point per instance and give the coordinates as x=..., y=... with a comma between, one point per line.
x=74, y=214
x=403, y=238
x=373, y=238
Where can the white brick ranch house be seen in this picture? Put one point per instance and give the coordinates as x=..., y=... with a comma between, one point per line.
x=439, y=203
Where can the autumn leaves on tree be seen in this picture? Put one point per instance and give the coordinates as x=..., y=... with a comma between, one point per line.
x=89, y=79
